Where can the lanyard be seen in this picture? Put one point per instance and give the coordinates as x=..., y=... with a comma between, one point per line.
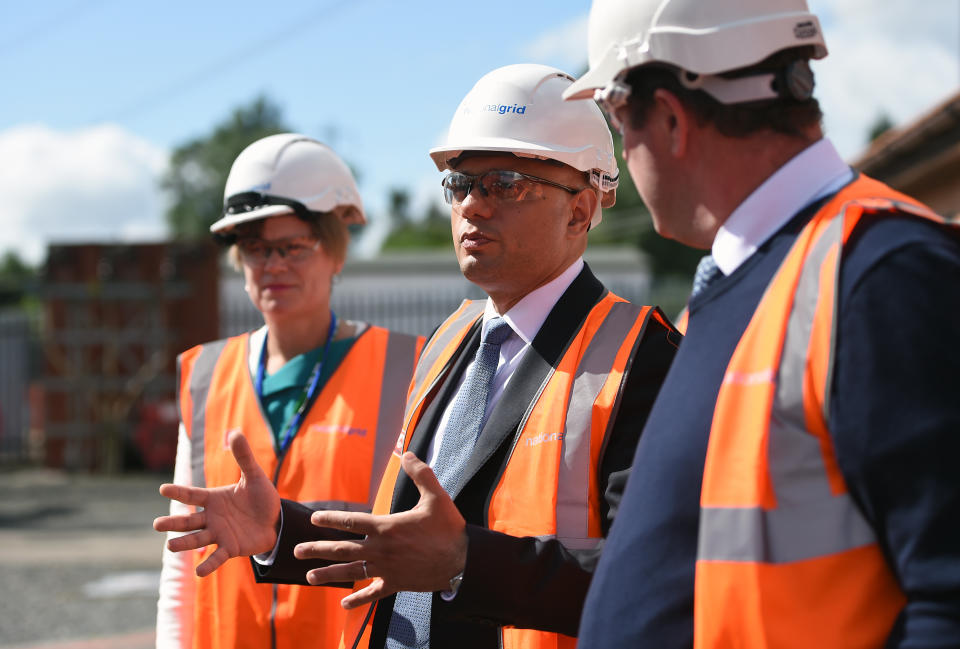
x=309, y=391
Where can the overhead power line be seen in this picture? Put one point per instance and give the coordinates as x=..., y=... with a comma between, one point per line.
x=249, y=50
x=40, y=29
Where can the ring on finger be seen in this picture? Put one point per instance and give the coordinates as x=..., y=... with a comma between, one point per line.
x=363, y=564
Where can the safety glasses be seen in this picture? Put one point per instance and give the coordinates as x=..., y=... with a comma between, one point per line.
x=499, y=184
x=256, y=252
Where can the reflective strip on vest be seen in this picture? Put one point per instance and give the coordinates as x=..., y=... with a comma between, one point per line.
x=809, y=520
x=400, y=357
x=583, y=384
x=435, y=351
x=199, y=387
x=573, y=488
x=466, y=313
x=330, y=465
x=785, y=557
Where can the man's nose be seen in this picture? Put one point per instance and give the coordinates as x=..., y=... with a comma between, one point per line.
x=475, y=205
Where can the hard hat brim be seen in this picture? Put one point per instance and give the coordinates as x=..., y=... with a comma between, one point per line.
x=231, y=220
x=441, y=155
x=598, y=76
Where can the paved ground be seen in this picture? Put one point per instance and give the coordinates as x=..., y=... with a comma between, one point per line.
x=79, y=560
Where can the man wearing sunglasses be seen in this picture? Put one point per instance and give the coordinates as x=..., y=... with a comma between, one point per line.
x=498, y=517
x=525, y=409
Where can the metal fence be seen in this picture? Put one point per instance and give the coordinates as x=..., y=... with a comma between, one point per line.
x=417, y=308
x=408, y=297
x=17, y=349
x=413, y=304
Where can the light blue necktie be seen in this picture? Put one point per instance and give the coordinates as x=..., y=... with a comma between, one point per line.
x=410, y=622
x=707, y=273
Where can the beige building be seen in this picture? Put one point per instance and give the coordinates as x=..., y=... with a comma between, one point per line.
x=921, y=158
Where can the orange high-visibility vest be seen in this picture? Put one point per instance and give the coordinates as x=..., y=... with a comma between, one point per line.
x=334, y=462
x=549, y=488
x=785, y=558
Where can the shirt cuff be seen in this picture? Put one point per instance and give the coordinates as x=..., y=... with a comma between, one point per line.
x=447, y=595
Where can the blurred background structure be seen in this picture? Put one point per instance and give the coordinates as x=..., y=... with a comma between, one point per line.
x=117, y=133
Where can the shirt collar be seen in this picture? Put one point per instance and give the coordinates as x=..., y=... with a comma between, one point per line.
x=812, y=174
x=528, y=315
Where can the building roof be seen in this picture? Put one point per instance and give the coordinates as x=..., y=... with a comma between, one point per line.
x=921, y=156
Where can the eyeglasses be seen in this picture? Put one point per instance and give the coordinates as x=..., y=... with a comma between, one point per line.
x=256, y=252
x=613, y=99
x=500, y=184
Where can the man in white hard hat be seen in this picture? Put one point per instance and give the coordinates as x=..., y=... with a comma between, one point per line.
x=798, y=480
x=525, y=408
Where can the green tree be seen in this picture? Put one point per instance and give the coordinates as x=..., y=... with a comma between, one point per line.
x=398, y=207
x=881, y=125
x=198, y=169
x=432, y=231
x=17, y=279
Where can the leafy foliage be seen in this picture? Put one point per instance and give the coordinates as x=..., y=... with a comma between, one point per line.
x=433, y=231
x=17, y=279
x=198, y=169
x=881, y=125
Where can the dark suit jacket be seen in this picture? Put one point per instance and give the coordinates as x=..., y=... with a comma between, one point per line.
x=523, y=582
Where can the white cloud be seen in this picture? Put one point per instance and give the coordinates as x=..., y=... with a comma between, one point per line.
x=94, y=184
x=564, y=46
x=898, y=58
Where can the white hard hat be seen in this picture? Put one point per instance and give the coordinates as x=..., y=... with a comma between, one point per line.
x=702, y=38
x=287, y=173
x=519, y=109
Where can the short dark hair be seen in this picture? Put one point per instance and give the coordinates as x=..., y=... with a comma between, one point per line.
x=327, y=227
x=783, y=115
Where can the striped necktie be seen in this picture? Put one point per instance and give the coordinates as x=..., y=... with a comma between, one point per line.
x=410, y=621
x=707, y=273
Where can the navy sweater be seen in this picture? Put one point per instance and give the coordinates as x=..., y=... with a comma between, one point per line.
x=895, y=422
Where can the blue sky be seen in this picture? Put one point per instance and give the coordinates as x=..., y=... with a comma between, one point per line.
x=97, y=92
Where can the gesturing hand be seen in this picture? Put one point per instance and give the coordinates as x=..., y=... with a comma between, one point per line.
x=240, y=518
x=416, y=550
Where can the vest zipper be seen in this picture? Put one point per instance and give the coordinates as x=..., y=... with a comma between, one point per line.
x=276, y=587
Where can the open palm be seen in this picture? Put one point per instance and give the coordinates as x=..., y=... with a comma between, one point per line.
x=240, y=519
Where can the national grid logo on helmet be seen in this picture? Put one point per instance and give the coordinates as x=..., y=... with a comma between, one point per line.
x=501, y=109
x=505, y=108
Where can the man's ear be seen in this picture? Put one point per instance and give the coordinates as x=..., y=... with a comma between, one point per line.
x=608, y=198
x=584, y=205
x=675, y=120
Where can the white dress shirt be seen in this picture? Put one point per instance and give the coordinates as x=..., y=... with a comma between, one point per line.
x=525, y=319
x=812, y=174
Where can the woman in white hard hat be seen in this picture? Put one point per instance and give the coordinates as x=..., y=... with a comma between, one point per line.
x=318, y=398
